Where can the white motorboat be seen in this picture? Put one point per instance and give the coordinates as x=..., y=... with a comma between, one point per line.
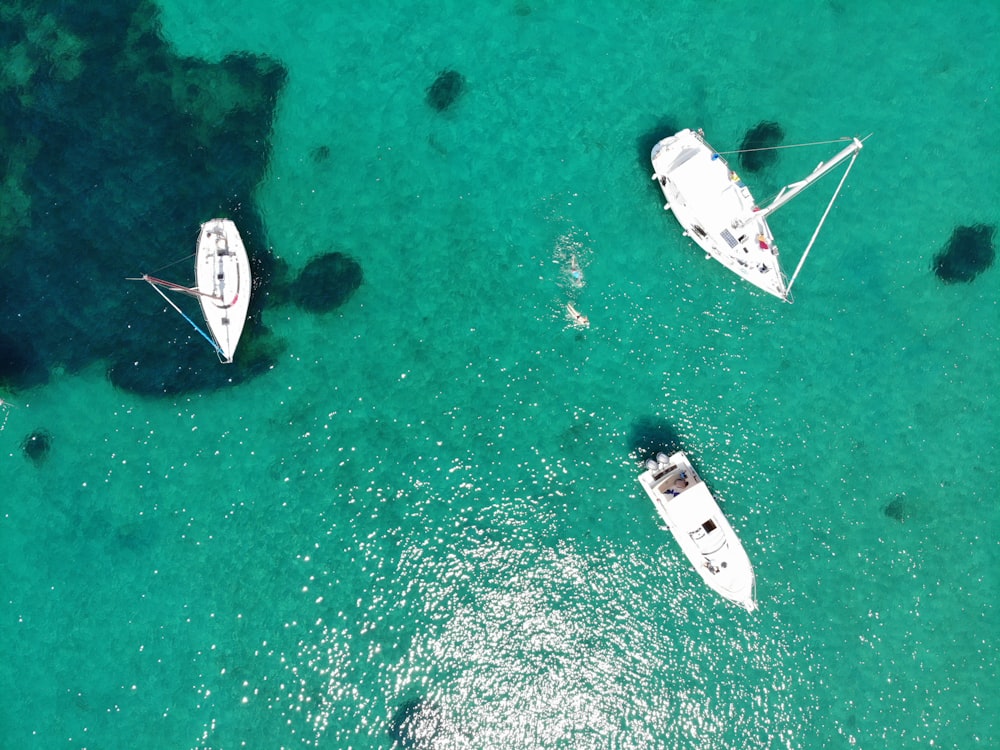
x=222, y=273
x=718, y=211
x=694, y=518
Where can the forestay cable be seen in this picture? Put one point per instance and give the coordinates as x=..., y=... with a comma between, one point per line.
x=820, y=225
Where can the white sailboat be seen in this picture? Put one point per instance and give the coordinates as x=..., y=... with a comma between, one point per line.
x=222, y=273
x=698, y=525
x=720, y=214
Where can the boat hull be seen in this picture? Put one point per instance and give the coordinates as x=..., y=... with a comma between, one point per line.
x=222, y=271
x=716, y=210
x=700, y=528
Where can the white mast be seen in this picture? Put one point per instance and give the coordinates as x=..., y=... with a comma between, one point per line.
x=790, y=191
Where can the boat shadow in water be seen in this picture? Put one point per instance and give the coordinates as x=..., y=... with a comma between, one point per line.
x=645, y=142
x=651, y=435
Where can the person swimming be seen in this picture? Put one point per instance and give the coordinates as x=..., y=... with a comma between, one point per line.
x=575, y=272
x=577, y=317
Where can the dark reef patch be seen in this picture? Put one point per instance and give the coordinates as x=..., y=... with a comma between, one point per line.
x=416, y=724
x=896, y=509
x=320, y=154
x=326, y=283
x=651, y=435
x=159, y=374
x=36, y=446
x=969, y=252
x=20, y=365
x=445, y=90
x=115, y=151
x=763, y=135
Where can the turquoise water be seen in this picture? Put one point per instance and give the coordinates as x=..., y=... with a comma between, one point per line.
x=431, y=496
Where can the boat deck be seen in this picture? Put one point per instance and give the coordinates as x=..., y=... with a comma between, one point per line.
x=716, y=209
x=695, y=520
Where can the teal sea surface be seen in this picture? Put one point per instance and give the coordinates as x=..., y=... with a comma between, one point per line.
x=416, y=523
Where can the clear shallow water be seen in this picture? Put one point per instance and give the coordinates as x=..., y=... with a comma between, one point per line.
x=431, y=496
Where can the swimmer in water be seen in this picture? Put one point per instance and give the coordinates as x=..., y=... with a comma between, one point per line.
x=578, y=318
x=575, y=272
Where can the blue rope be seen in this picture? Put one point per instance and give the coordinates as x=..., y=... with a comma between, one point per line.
x=194, y=325
x=208, y=338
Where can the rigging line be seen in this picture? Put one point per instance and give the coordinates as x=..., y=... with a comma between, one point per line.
x=820, y=225
x=209, y=339
x=790, y=145
x=174, y=287
x=174, y=263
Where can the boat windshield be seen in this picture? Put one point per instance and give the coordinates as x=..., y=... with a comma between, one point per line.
x=708, y=537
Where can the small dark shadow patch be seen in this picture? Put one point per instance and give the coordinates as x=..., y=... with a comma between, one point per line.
x=20, y=364
x=651, y=435
x=763, y=135
x=663, y=128
x=896, y=509
x=445, y=90
x=327, y=282
x=416, y=724
x=969, y=252
x=36, y=447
